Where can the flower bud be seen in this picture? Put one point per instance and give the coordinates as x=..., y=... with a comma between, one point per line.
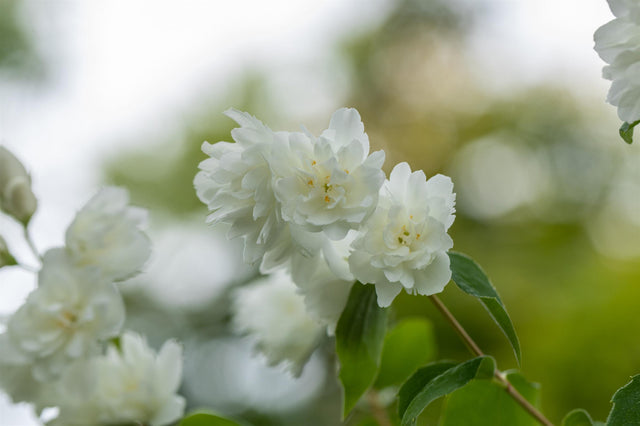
x=16, y=197
x=6, y=259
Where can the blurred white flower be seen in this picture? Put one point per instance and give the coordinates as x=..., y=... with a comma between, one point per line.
x=325, y=282
x=16, y=197
x=404, y=243
x=63, y=319
x=618, y=44
x=107, y=233
x=329, y=183
x=127, y=385
x=236, y=185
x=272, y=313
x=17, y=381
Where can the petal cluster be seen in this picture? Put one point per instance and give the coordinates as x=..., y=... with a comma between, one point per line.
x=63, y=319
x=130, y=384
x=404, y=244
x=236, y=185
x=618, y=44
x=108, y=234
x=329, y=183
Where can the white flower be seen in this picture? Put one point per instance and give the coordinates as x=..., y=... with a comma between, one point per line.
x=107, y=233
x=271, y=312
x=63, y=319
x=127, y=385
x=16, y=197
x=236, y=185
x=329, y=183
x=618, y=44
x=325, y=281
x=18, y=382
x=404, y=243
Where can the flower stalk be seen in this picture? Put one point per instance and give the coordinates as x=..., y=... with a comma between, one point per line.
x=475, y=349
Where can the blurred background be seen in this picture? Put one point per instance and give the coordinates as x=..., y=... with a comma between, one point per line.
x=505, y=96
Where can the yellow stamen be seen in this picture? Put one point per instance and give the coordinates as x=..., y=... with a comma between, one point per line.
x=313, y=163
x=310, y=183
x=327, y=199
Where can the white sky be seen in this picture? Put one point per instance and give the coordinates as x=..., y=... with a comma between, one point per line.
x=120, y=65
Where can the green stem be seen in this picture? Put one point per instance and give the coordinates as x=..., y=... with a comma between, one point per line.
x=30, y=243
x=475, y=349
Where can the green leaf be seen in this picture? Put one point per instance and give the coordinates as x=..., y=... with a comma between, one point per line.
x=626, y=131
x=577, y=417
x=438, y=380
x=207, y=419
x=489, y=398
x=472, y=280
x=410, y=344
x=359, y=337
x=626, y=404
x=418, y=381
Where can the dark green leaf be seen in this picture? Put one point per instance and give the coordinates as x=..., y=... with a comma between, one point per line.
x=626, y=404
x=472, y=280
x=489, y=398
x=418, y=381
x=359, y=337
x=417, y=399
x=207, y=419
x=577, y=417
x=626, y=131
x=407, y=346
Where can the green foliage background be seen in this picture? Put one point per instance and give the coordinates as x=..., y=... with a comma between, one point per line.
x=575, y=309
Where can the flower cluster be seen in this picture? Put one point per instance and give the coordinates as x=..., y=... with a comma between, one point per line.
x=322, y=209
x=126, y=384
x=63, y=325
x=618, y=44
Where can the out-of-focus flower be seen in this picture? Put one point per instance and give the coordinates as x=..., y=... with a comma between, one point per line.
x=63, y=319
x=107, y=233
x=271, y=312
x=325, y=281
x=618, y=44
x=404, y=243
x=6, y=258
x=329, y=183
x=127, y=385
x=18, y=382
x=16, y=197
x=236, y=185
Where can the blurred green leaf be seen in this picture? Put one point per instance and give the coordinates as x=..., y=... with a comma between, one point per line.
x=578, y=417
x=626, y=404
x=207, y=419
x=470, y=278
x=413, y=399
x=410, y=344
x=626, y=131
x=359, y=338
x=489, y=398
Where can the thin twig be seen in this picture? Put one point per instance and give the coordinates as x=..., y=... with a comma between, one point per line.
x=475, y=349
